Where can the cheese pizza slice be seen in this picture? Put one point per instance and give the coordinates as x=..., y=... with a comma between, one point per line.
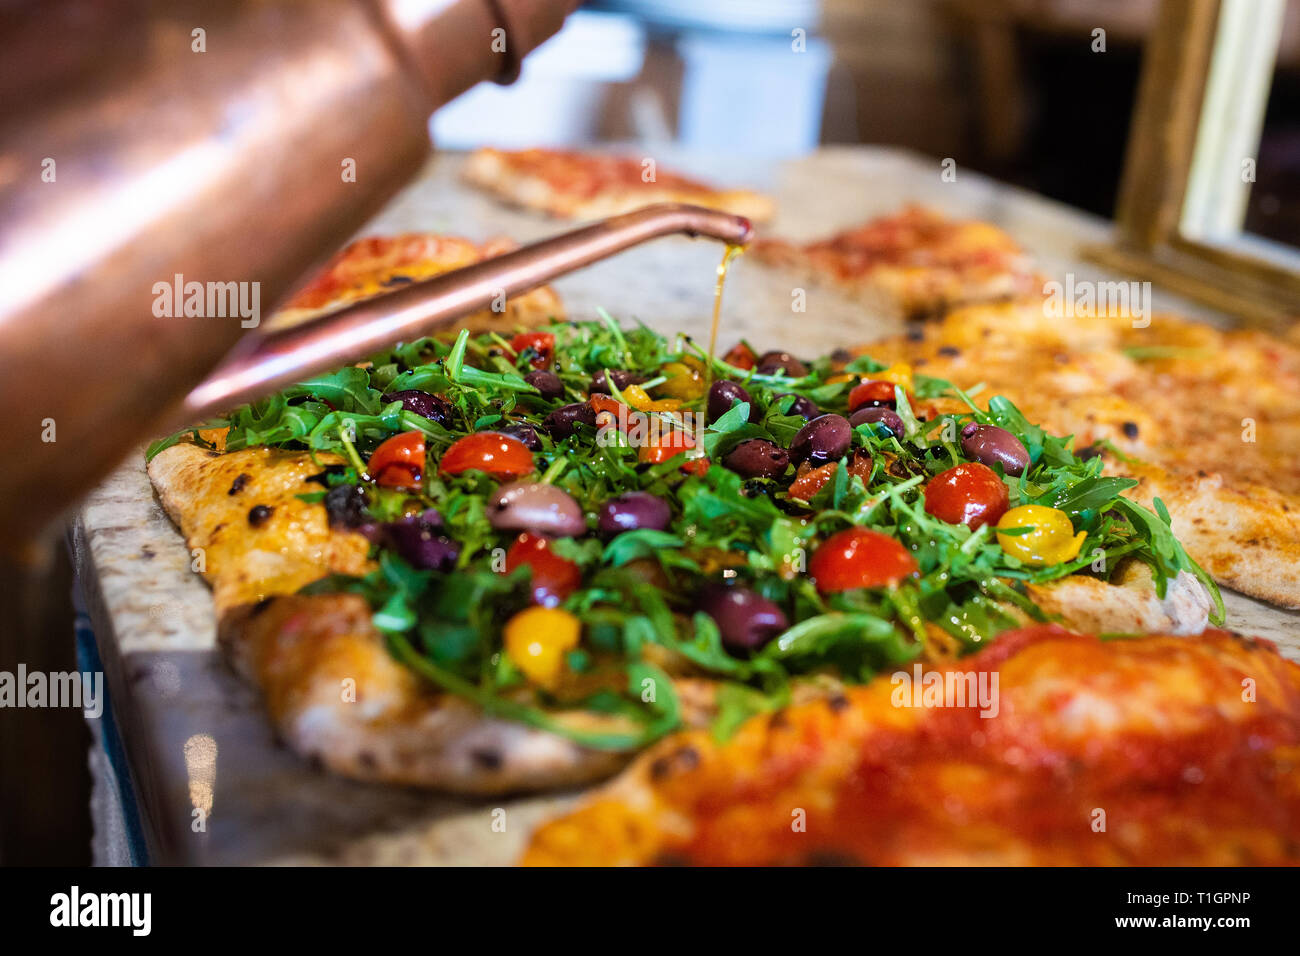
x=573, y=185
x=378, y=264
x=914, y=264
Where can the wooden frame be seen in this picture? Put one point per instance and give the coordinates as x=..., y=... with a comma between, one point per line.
x=1150, y=241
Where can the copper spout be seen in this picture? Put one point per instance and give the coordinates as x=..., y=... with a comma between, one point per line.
x=262, y=363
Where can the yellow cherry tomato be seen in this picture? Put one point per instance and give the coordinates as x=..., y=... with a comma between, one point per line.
x=684, y=382
x=899, y=373
x=842, y=377
x=636, y=397
x=1052, y=540
x=537, y=639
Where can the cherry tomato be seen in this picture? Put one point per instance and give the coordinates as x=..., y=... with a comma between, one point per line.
x=971, y=494
x=812, y=481
x=499, y=455
x=741, y=356
x=536, y=640
x=859, y=558
x=871, y=394
x=554, y=577
x=399, y=461
x=603, y=403
x=670, y=445
x=542, y=345
x=900, y=373
x=684, y=382
x=1052, y=540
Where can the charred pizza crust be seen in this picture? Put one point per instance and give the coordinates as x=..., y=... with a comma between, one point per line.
x=914, y=264
x=571, y=185
x=1155, y=731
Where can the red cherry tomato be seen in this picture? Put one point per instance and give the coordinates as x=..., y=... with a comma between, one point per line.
x=870, y=394
x=603, y=403
x=670, y=445
x=542, y=344
x=499, y=455
x=399, y=461
x=812, y=481
x=741, y=356
x=859, y=558
x=554, y=577
x=971, y=494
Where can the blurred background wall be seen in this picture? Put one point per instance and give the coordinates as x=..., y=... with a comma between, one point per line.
x=1012, y=88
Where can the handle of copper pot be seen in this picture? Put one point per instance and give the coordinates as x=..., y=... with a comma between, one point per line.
x=262, y=363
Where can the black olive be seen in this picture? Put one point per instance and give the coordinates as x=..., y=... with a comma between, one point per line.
x=723, y=395
x=547, y=383
x=757, y=458
x=258, y=515
x=822, y=440
x=769, y=363
x=345, y=505
x=561, y=422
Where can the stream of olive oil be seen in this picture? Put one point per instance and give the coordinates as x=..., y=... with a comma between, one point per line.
x=732, y=252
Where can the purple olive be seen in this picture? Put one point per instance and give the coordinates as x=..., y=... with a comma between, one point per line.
x=724, y=394
x=524, y=432
x=345, y=506
x=534, y=506
x=633, y=511
x=757, y=458
x=622, y=379
x=822, y=440
x=801, y=406
x=432, y=407
x=419, y=539
x=560, y=423
x=745, y=618
x=991, y=445
x=548, y=383
x=878, y=415
x=769, y=363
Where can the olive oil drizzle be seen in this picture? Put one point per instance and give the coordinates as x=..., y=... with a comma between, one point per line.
x=732, y=252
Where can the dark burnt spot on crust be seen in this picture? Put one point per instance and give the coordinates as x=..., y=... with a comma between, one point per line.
x=916, y=334
x=949, y=351
x=838, y=703
x=237, y=485
x=213, y=454
x=323, y=477
x=1090, y=452
x=682, y=759
x=487, y=759
x=688, y=758
x=258, y=515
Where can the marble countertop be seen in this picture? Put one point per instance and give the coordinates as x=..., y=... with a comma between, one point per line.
x=213, y=784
